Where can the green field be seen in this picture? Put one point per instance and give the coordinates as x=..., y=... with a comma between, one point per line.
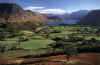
x=30, y=44
x=34, y=44
x=34, y=41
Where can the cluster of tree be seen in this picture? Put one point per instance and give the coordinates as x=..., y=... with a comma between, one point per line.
x=12, y=26
x=74, y=45
x=12, y=29
x=89, y=45
x=3, y=48
x=68, y=49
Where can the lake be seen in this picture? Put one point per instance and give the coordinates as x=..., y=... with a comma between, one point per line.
x=61, y=22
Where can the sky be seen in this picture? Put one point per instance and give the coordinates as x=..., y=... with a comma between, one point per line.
x=56, y=6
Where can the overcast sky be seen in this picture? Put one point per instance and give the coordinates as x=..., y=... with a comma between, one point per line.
x=57, y=6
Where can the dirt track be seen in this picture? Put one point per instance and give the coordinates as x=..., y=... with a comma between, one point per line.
x=83, y=59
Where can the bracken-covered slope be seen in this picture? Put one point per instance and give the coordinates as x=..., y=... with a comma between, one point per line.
x=14, y=13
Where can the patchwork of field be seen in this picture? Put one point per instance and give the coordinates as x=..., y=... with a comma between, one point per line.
x=35, y=44
x=38, y=41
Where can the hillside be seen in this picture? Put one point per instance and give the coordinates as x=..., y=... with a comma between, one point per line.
x=78, y=14
x=14, y=13
x=93, y=18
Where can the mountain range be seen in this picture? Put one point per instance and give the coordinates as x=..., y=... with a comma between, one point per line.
x=67, y=18
x=82, y=17
x=14, y=13
x=93, y=18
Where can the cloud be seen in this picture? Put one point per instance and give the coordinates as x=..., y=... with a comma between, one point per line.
x=44, y=10
x=52, y=11
x=33, y=8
